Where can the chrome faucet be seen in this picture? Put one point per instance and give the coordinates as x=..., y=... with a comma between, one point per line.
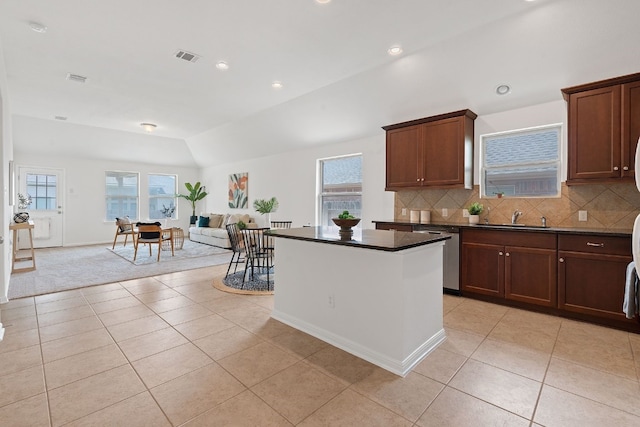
x=544, y=221
x=515, y=216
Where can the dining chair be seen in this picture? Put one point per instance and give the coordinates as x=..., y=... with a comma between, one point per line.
x=237, y=246
x=152, y=233
x=124, y=227
x=259, y=251
x=281, y=224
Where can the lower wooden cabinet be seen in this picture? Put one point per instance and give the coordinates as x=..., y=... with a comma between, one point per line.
x=591, y=275
x=518, y=266
x=575, y=275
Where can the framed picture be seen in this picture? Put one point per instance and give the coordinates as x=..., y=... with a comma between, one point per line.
x=239, y=190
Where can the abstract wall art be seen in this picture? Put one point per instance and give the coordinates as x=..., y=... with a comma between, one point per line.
x=239, y=190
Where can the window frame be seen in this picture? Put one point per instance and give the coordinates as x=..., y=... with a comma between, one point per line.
x=320, y=194
x=108, y=196
x=152, y=197
x=558, y=127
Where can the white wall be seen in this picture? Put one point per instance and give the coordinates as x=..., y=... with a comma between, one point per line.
x=521, y=118
x=84, y=202
x=291, y=177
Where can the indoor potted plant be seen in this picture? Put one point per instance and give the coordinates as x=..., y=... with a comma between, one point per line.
x=474, y=212
x=23, y=203
x=196, y=193
x=346, y=222
x=265, y=207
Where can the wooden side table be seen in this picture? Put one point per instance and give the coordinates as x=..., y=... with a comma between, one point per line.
x=22, y=226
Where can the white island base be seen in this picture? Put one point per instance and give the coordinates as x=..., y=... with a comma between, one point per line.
x=384, y=307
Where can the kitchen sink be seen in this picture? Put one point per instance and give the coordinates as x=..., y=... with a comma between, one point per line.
x=508, y=225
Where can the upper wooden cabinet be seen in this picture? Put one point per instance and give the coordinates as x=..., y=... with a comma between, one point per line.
x=604, y=126
x=435, y=151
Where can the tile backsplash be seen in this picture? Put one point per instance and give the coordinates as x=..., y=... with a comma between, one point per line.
x=610, y=206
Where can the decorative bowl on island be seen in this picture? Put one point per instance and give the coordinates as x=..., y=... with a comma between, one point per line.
x=345, y=223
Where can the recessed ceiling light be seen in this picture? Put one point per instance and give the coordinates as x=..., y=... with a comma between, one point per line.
x=503, y=89
x=37, y=27
x=394, y=50
x=149, y=127
x=276, y=85
x=323, y=1
x=221, y=65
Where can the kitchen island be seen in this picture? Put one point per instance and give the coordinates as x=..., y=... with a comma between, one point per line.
x=377, y=296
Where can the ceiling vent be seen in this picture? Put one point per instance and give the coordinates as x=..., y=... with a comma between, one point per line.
x=63, y=118
x=187, y=56
x=76, y=78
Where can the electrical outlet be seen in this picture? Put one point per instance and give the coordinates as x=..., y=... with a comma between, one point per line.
x=445, y=212
x=332, y=301
x=404, y=211
x=465, y=213
x=582, y=215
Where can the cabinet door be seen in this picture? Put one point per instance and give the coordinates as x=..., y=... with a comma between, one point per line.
x=630, y=126
x=531, y=275
x=403, y=154
x=592, y=284
x=444, y=152
x=483, y=269
x=594, y=134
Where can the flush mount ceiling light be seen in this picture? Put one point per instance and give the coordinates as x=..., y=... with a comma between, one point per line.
x=221, y=65
x=503, y=89
x=76, y=78
x=149, y=127
x=276, y=85
x=394, y=50
x=37, y=27
x=323, y=1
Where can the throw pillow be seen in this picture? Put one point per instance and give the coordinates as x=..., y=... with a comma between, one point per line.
x=203, y=221
x=149, y=234
x=123, y=223
x=215, y=220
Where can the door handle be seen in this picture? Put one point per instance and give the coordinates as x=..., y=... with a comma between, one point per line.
x=596, y=245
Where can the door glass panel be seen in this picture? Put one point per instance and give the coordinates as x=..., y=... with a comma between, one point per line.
x=43, y=191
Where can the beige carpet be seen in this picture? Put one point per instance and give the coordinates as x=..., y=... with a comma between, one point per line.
x=60, y=269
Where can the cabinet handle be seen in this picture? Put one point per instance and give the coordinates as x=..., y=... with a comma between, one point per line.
x=596, y=245
x=561, y=260
x=507, y=254
x=615, y=168
x=500, y=253
x=418, y=179
x=626, y=168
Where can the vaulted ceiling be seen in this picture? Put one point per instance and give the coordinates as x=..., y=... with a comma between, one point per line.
x=339, y=82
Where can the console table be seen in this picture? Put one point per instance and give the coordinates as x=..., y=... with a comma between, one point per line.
x=22, y=226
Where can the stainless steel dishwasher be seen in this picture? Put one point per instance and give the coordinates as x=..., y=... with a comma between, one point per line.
x=451, y=255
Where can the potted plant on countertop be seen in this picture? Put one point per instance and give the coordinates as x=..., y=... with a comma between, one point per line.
x=346, y=222
x=265, y=207
x=196, y=193
x=474, y=212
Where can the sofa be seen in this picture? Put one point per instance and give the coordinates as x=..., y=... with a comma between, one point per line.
x=211, y=228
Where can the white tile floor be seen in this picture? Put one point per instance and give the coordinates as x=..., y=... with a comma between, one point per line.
x=172, y=350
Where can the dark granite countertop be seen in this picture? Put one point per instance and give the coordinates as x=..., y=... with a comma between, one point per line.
x=507, y=227
x=383, y=240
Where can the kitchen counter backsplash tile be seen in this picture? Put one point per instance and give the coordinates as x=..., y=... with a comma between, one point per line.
x=608, y=206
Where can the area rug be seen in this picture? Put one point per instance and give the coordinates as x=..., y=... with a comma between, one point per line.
x=234, y=284
x=189, y=250
x=60, y=269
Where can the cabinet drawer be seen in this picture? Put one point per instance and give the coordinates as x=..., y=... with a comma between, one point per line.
x=595, y=244
x=397, y=227
x=510, y=238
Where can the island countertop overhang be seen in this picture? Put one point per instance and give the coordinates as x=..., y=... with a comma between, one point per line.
x=382, y=240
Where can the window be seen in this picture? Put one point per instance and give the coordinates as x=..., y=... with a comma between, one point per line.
x=340, y=188
x=522, y=163
x=162, y=196
x=121, y=195
x=43, y=191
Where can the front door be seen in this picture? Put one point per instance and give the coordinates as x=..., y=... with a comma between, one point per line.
x=44, y=186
